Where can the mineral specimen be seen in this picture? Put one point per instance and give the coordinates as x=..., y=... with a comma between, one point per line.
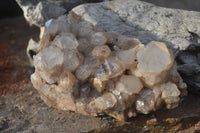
x=89, y=71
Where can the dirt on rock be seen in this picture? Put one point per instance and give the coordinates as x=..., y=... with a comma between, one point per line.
x=22, y=110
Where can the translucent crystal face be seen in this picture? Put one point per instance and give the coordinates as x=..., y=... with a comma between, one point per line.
x=149, y=59
x=129, y=84
x=65, y=41
x=82, y=69
x=52, y=57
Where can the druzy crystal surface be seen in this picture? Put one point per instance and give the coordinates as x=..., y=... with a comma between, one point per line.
x=83, y=69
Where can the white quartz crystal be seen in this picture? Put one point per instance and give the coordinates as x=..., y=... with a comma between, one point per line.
x=83, y=69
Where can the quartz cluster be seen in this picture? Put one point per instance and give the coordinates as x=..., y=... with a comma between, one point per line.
x=83, y=69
